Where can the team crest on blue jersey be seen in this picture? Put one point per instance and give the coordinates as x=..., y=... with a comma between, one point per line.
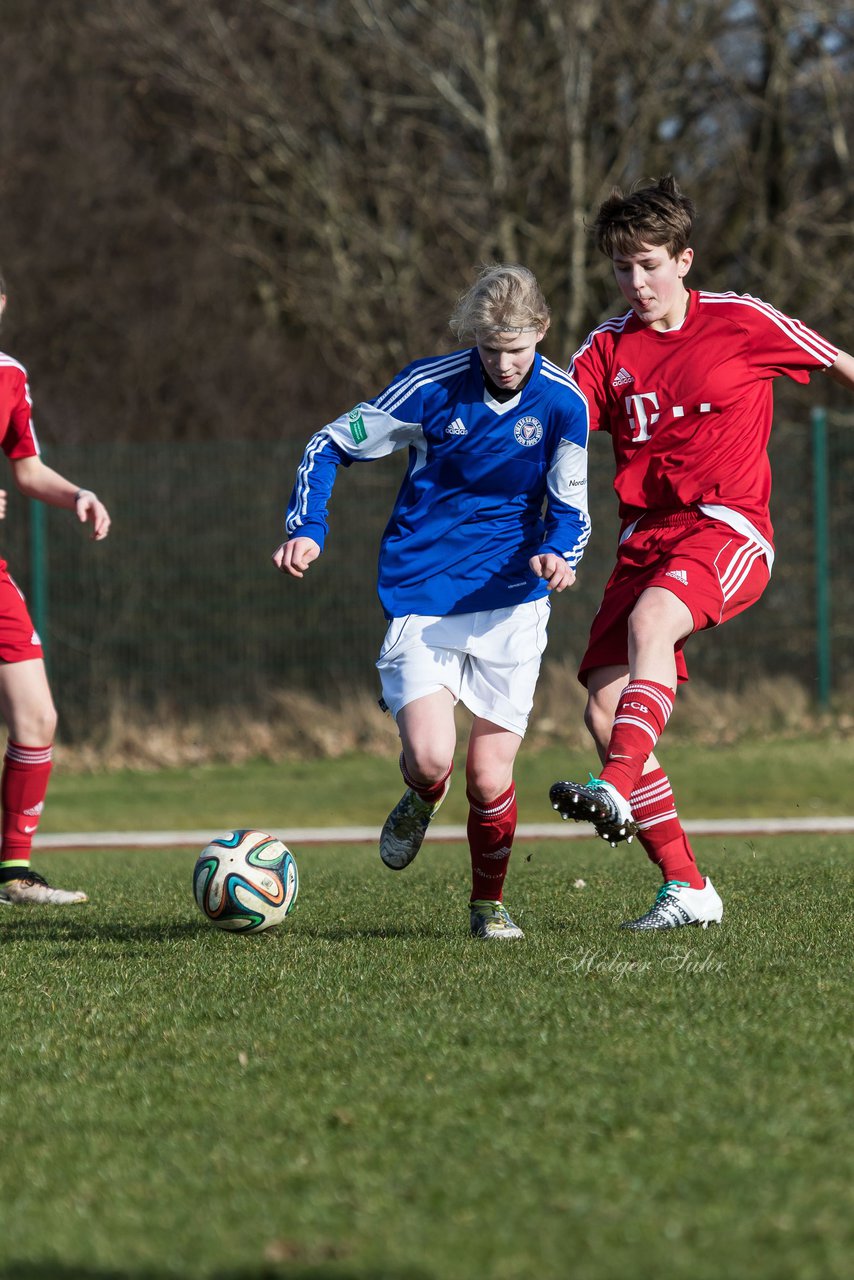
x=528, y=431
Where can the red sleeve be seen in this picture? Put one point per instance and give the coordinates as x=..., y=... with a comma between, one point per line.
x=588, y=370
x=19, y=437
x=780, y=345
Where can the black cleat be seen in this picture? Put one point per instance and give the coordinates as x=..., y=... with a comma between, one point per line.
x=596, y=802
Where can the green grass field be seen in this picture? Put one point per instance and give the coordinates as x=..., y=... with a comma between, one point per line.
x=757, y=779
x=365, y=1093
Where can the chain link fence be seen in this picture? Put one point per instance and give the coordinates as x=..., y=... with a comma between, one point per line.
x=182, y=609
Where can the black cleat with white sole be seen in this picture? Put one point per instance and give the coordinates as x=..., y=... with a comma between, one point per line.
x=597, y=802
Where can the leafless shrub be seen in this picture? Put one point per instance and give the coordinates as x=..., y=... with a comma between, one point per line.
x=779, y=707
x=298, y=726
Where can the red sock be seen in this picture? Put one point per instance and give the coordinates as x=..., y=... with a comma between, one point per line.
x=431, y=792
x=23, y=787
x=660, y=831
x=642, y=712
x=491, y=828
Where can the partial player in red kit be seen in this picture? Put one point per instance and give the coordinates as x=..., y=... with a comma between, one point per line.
x=26, y=704
x=683, y=384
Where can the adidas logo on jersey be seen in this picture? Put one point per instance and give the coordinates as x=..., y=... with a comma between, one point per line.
x=623, y=378
x=680, y=575
x=456, y=428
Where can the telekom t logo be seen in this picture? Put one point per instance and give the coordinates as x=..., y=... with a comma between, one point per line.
x=639, y=417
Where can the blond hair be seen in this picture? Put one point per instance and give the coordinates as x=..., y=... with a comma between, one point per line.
x=505, y=298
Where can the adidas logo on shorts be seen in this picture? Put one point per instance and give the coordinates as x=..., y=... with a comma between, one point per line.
x=681, y=575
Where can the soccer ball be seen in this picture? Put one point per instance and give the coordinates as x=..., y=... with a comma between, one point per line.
x=245, y=881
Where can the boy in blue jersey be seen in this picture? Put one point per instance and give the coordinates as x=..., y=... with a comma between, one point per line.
x=491, y=516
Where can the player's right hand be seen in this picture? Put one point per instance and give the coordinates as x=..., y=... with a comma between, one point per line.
x=295, y=555
x=554, y=569
x=3, y=499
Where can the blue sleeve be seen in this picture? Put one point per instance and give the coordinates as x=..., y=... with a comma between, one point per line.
x=567, y=519
x=307, y=515
x=365, y=433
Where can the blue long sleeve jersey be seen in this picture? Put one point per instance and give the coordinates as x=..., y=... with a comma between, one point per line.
x=488, y=484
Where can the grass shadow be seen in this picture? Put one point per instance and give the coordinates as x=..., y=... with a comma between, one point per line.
x=66, y=931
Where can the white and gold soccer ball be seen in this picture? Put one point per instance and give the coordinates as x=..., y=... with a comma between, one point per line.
x=245, y=881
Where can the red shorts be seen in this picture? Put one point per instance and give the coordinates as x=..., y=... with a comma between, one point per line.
x=19, y=639
x=714, y=570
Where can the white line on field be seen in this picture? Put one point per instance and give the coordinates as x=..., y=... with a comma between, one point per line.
x=557, y=830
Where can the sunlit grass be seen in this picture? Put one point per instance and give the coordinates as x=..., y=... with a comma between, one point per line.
x=367, y=1092
x=749, y=779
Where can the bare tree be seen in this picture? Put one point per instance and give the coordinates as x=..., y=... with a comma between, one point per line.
x=320, y=179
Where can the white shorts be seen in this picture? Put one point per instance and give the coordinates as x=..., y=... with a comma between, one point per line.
x=489, y=661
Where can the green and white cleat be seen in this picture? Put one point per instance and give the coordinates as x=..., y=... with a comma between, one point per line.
x=406, y=826
x=677, y=904
x=33, y=888
x=491, y=920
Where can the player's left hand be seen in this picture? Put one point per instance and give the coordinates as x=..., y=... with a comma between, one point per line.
x=295, y=555
x=90, y=507
x=3, y=499
x=554, y=569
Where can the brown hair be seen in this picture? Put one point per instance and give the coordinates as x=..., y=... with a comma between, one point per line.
x=658, y=215
x=504, y=298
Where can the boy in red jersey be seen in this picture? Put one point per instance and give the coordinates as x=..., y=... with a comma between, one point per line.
x=683, y=383
x=25, y=699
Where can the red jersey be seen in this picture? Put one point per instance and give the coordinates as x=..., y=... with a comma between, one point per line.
x=689, y=409
x=17, y=434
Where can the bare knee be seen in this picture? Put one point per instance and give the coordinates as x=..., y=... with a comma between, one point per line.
x=599, y=716
x=599, y=719
x=33, y=726
x=48, y=723
x=487, y=781
x=426, y=765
